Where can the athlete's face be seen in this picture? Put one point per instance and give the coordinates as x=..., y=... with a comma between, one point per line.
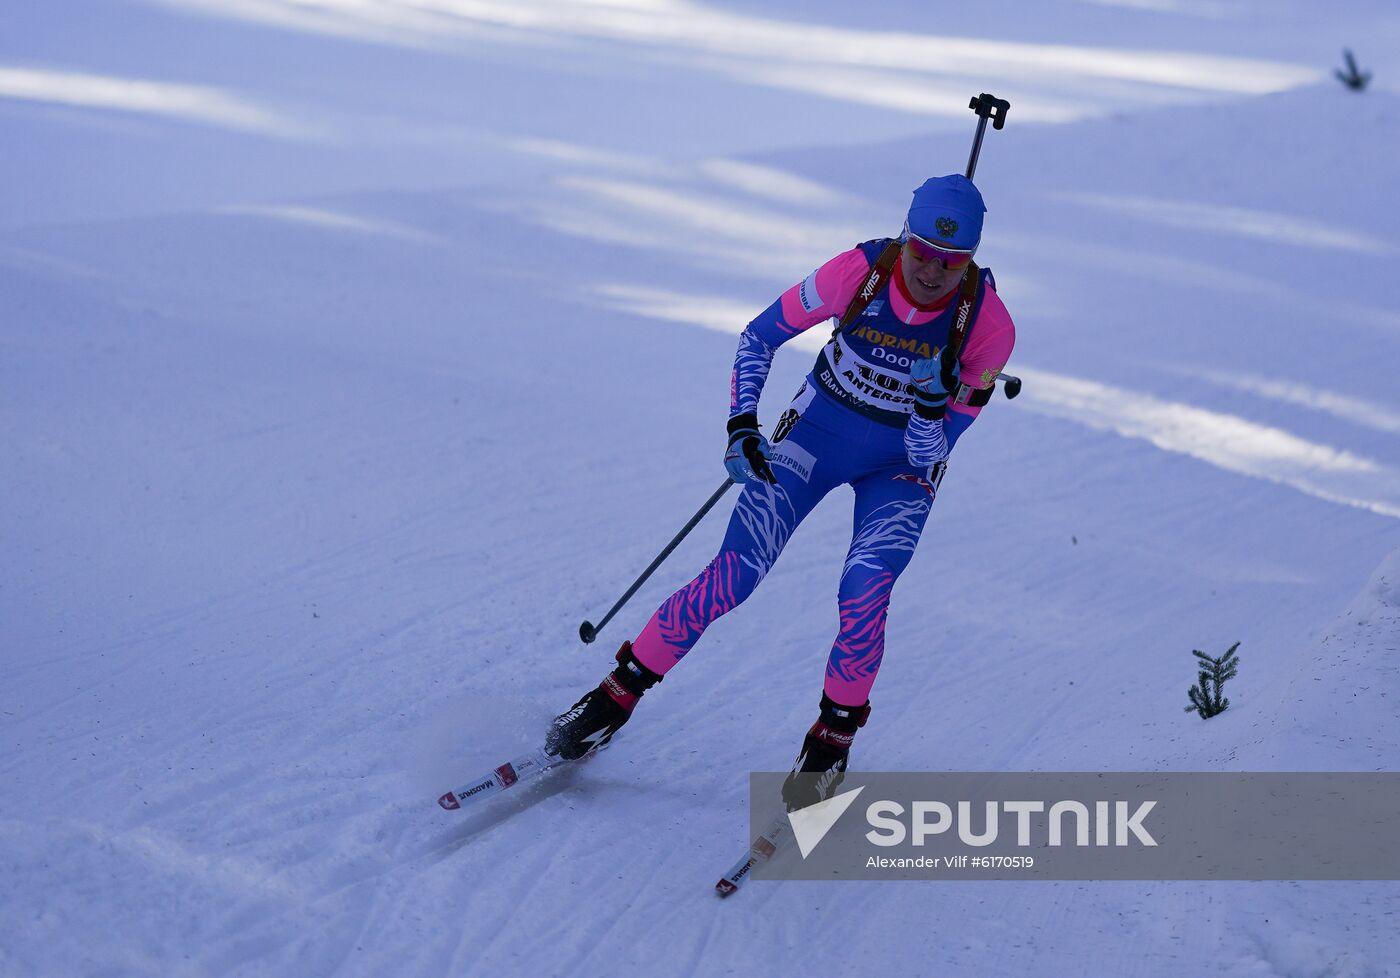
x=928, y=279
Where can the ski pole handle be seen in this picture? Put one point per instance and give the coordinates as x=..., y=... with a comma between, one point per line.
x=589, y=631
x=1013, y=385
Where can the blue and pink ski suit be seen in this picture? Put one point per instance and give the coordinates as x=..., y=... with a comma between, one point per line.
x=847, y=425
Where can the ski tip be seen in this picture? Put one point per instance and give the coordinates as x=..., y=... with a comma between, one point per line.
x=725, y=887
x=449, y=801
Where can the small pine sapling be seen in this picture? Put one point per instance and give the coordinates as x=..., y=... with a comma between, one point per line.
x=1208, y=695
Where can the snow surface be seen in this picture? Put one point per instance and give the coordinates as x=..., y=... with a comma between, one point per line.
x=349, y=360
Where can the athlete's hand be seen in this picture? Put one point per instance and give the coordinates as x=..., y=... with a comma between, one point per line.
x=748, y=453
x=933, y=380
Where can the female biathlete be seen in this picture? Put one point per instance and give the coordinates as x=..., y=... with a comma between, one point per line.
x=874, y=413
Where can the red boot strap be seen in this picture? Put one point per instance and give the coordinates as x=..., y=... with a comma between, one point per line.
x=619, y=693
x=831, y=736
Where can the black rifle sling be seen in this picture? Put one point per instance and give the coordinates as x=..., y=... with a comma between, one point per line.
x=874, y=282
x=965, y=393
x=962, y=316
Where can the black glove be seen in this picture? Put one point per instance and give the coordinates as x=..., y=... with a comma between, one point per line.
x=748, y=453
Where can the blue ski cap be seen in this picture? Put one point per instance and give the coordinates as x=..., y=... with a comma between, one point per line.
x=948, y=209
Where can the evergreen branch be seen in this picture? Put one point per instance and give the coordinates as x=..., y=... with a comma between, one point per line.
x=1208, y=695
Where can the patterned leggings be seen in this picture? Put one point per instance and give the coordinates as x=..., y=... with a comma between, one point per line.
x=829, y=445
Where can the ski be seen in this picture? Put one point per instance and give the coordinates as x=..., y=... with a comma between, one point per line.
x=760, y=851
x=532, y=765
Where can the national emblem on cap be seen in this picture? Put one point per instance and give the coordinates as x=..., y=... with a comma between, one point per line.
x=948, y=210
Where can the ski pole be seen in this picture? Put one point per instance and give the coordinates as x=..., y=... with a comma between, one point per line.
x=990, y=107
x=589, y=631
x=987, y=107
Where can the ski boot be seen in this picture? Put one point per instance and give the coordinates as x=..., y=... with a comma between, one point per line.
x=592, y=721
x=821, y=766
